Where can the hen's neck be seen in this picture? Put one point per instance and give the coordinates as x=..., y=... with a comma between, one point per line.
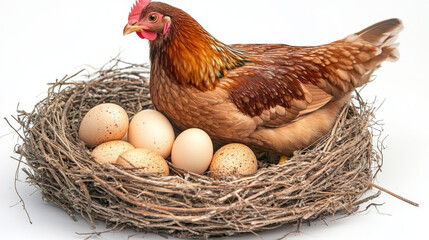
x=191, y=56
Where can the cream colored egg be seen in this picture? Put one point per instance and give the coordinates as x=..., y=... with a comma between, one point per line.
x=232, y=160
x=151, y=130
x=103, y=123
x=144, y=160
x=109, y=152
x=192, y=151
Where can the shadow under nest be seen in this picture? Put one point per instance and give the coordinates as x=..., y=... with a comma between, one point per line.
x=330, y=177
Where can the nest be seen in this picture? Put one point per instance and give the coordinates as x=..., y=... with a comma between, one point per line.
x=330, y=177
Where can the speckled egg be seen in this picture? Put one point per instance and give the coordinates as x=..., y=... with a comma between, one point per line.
x=144, y=160
x=150, y=129
x=103, y=123
x=192, y=150
x=109, y=152
x=232, y=160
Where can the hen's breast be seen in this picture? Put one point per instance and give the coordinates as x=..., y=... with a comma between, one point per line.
x=188, y=107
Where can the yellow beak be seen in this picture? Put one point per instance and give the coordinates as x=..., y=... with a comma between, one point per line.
x=130, y=29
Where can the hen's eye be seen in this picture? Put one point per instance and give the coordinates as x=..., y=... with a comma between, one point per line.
x=153, y=18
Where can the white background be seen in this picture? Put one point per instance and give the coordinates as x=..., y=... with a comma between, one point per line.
x=43, y=40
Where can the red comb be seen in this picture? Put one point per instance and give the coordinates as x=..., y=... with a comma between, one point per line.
x=137, y=9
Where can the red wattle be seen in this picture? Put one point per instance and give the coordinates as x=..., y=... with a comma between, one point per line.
x=140, y=34
x=147, y=35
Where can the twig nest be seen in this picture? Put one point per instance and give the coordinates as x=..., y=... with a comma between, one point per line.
x=330, y=177
x=233, y=159
x=144, y=160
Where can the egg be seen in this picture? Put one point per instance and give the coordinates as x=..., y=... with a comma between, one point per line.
x=103, y=123
x=192, y=150
x=144, y=160
x=109, y=152
x=232, y=160
x=150, y=129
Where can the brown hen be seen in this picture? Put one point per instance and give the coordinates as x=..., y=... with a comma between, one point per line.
x=278, y=97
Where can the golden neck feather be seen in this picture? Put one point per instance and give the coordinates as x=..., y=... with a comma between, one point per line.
x=191, y=56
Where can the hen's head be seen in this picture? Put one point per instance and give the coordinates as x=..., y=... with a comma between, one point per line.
x=148, y=19
x=186, y=52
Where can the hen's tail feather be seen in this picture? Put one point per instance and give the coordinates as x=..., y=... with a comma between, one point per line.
x=379, y=32
x=372, y=46
x=383, y=35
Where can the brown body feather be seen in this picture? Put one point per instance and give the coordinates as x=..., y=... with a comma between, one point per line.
x=273, y=97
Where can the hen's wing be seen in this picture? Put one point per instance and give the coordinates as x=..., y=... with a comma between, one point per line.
x=279, y=85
